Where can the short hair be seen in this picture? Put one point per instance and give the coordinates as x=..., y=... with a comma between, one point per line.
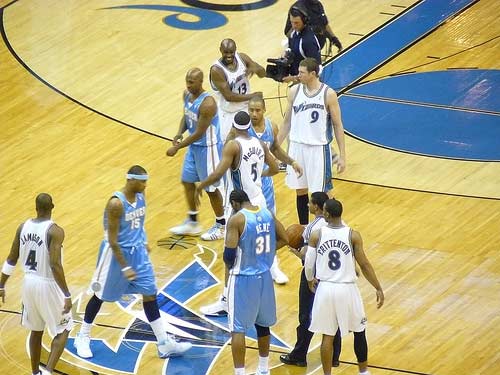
x=137, y=169
x=259, y=99
x=43, y=202
x=238, y=196
x=298, y=11
x=310, y=64
x=333, y=207
x=319, y=198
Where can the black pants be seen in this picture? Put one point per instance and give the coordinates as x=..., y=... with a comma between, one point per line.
x=304, y=336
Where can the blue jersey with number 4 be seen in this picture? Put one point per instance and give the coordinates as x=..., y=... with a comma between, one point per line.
x=257, y=244
x=131, y=231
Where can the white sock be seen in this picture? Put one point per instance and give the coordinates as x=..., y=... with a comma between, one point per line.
x=263, y=363
x=366, y=372
x=224, y=293
x=159, y=330
x=239, y=371
x=85, y=328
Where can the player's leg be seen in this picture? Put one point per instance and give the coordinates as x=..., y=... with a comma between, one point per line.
x=298, y=152
x=238, y=349
x=206, y=167
x=327, y=354
x=337, y=348
x=219, y=307
x=361, y=350
x=108, y=284
x=167, y=344
x=35, y=345
x=189, y=176
x=56, y=349
x=298, y=356
x=266, y=317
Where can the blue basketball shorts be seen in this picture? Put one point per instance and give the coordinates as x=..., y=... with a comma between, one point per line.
x=251, y=301
x=199, y=162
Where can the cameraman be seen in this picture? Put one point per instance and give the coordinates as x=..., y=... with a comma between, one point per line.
x=302, y=42
x=318, y=22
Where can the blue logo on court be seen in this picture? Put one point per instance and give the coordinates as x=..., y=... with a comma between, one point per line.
x=207, y=19
x=208, y=335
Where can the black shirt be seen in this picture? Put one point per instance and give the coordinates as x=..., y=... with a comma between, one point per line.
x=317, y=19
x=303, y=44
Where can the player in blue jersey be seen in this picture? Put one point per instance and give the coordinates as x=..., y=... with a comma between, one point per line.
x=124, y=267
x=263, y=129
x=204, y=145
x=252, y=237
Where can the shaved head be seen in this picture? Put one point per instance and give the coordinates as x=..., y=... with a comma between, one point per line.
x=44, y=203
x=195, y=73
x=227, y=44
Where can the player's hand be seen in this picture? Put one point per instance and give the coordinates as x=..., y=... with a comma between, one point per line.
x=341, y=164
x=313, y=284
x=172, y=151
x=177, y=139
x=67, y=305
x=298, y=169
x=148, y=248
x=290, y=79
x=2, y=295
x=129, y=274
x=380, y=298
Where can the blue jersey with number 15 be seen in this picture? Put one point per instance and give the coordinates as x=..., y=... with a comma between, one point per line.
x=257, y=244
x=131, y=231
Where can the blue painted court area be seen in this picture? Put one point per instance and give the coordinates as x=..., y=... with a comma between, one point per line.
x=386, y=42
x=474, y=89
x=451, y=114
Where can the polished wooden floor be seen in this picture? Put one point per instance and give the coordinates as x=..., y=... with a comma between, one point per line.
x=431, y=226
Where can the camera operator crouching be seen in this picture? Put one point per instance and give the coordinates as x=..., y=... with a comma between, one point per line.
x=302, y=43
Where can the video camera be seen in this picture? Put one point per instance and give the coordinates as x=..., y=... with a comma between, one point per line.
x=280, y=68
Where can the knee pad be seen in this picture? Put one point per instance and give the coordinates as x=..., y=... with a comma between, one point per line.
x=262, y=331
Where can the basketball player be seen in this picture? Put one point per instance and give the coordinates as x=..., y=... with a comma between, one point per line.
x=312, y=109
x=263, y=129
x=245, y=157
x=204, y=148
x=330, y=260
x=124, y=267
x=229, y=78
x=253, y=235
x=45, y=295
x=298, y=356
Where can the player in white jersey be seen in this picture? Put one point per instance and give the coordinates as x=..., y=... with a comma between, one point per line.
x=330, y=268
x=45, y=295
x=229, y=78
x=312, y=109
x=253, y=236
x=245, y=156
x=298, y=356
x=204, y=148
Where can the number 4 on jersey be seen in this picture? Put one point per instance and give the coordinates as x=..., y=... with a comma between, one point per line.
x=31, y=260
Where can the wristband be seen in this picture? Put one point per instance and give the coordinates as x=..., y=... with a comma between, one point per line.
x=8, y=268
x=126, y=268
x=67, y=297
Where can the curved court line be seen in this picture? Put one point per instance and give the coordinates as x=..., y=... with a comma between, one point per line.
x=34, y=74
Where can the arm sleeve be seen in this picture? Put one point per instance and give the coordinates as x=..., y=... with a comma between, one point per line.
x=310, y=263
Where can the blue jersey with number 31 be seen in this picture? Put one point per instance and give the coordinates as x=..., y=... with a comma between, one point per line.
x=257, y=244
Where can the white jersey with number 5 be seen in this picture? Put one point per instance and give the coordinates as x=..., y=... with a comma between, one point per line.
x=238, y=83
x=335, y=255
x=34, y=249
x=247, y=175
x=310, y=120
